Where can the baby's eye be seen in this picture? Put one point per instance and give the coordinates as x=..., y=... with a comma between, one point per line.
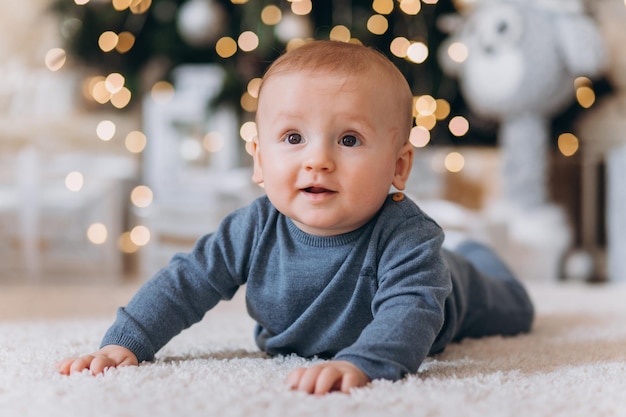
x=350, y=141
x=293, y=138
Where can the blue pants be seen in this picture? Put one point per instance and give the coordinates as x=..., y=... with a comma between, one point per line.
x=486, y=298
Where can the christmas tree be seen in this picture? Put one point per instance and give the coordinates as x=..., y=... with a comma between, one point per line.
x=144, y=40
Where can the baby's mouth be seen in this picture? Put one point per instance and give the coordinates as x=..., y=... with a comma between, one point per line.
x=317, y=190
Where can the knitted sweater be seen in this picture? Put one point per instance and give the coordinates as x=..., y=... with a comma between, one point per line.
x=374, y=296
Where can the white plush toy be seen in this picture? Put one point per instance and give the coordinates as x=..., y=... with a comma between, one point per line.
x=516, y=61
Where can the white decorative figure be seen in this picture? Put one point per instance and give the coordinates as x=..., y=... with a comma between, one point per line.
x=522, y=57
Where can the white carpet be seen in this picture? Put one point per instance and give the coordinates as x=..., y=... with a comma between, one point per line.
x=572, y=364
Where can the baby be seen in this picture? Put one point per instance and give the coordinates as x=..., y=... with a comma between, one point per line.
x=335, y=264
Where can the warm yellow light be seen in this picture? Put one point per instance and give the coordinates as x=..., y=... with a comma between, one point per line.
x=428, y=121
x=121, y=98
x=106, y=130
x=443, y=109
x=162, y=92
x=140, y=6
x=248, y=131
x=411, y=7
x=136, y=141
x=568, y=144
x=459, y=126
x=97, y=233
x=454, y=162
x=248, y=41
x=582, y=82
x=125, y=42
x=399, y=47
x=417, y=52
x=425, y=105
x=382, y=6
x=74, y=181
x=141, y=196
x=458, y=52
x=419, y=137
x=213, y=142
x=301, y=7
x=81, y=2
x=125, y=244
x=340, y=33
x=121, y=5
x=430, y=1
x=100, y=92
x=55, y=59
x=140, y=235
x=271, y=15
x=108, y=41
x=585, y=96
x=254, y=85
x=377, y=24
x=238, y=1
x=248, y=103
x=114, y=82
x=226, y=47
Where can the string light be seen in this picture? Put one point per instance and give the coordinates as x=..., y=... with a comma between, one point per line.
x=458, y=52
x=213, y=142
x=377, y=24
x=410, y=7
x=382, y=6
x=301, y=7
x=141, y=196
x=162, y=92
x=140, y=235
x=459, y=126
x=74, y=181
x=135, y=141
x=55, y=59
x=226, y=47
x=106, y=130
x=340, y=33
x=568, y=144
x=399, y=46
x=419, y=137
x=417, y=52
x=248, y=41
x=271, y=15
x=454, y=162
x=97, y=233
x=248, y=131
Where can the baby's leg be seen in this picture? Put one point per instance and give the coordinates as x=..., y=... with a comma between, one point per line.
x=490, y=300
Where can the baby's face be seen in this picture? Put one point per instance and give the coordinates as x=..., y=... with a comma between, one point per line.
x=328, y=149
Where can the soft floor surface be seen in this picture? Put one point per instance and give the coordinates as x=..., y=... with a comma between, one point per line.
x=572, y=364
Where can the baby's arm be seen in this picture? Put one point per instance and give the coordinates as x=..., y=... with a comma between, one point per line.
x=110, y=356
x=326, y=377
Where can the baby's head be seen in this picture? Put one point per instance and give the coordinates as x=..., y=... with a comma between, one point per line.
x=333, y=123
x=335, y=59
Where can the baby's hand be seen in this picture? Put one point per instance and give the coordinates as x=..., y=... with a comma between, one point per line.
x=110, y=356
x=326, y=377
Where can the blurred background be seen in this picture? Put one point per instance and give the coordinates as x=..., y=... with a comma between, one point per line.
x=124, y=125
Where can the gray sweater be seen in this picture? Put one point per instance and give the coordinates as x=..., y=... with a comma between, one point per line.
x=374, y=296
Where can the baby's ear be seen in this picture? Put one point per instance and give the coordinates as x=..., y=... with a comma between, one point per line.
x=404, y=163
x=257, y=173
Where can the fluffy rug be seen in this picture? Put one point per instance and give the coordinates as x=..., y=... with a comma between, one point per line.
x=572, y=364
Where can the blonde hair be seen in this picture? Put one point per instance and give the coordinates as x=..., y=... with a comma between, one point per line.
x=348, y=59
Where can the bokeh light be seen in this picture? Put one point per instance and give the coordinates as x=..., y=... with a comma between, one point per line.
x=97, y=233
x=141, y=196
x=106, y=130
x=74, y=181
x=454, y=162
x=568, y=144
